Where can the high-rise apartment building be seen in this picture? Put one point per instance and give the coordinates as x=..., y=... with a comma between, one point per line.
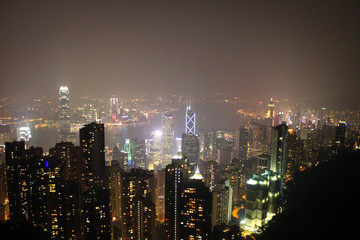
x=195, y=209
x=92, y=143
x=176, y=174
x=32, y=192
x=160, y=195
x=278, y=152
x=137, y=205
x=97, y=218
x=221, y=204
x=96, y=200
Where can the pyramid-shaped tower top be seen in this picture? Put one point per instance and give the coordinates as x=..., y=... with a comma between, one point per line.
x=197, y=174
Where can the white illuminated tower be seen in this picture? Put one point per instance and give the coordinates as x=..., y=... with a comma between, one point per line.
x=64, y=113
x=190, y=119
x=114, y=107
x=167, y=146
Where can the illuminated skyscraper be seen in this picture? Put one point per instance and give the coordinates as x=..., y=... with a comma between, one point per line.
x=96, y=199
x=114, y=107
x=242, y=137
x=160, y=195
x=24, y=134
x=340, y=132
x=167, y=146
x=26, y=181
x=271, y=111
x=64, y=113
x=176, y=174
x=278, y=152
x=257, y=140
x=92, y=143
x=195, y=208
x=153, y=150
x=190, y=147
x=262, y=193
x=139, y=153
x=221, y=203
x=128, y=149
x=137, y=205
x=190, y=120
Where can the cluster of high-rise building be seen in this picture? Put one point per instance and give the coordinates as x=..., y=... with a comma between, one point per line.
x=203, y=186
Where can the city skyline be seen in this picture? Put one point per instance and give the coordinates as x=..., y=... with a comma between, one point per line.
x=174, y=120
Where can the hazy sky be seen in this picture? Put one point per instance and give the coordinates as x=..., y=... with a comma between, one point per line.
x=251, y=49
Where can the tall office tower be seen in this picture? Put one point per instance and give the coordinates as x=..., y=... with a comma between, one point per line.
x=242, y=143
x=119, y=156
x=257, y=140
x=128, y=150
x=24, y=134
x=114, y=107
x=203, y=144
x=195, y=209
x=221, y=204
x=271, y=112
x=278, y=153
x=160, y=195
x=256, y=202
x=262, y=193
x=64, y=113
x=340, y=132
x=327, y=133
x=97, y=218
x=139, y=153
x=167, y=143
x=190, y=120
x=92, y=143
x=224, y=155
x=153, y=150
x=190, y=147
x=137, y=205
x=176, y=174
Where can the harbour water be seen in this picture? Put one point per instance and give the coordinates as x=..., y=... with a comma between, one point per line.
x=210, y=116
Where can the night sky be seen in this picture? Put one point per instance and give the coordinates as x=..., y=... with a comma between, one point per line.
x=252, y=49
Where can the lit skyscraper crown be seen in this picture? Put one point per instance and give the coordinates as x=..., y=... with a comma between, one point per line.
x=190, y=119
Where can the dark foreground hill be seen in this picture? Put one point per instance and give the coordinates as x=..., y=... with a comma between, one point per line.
x=323, y=202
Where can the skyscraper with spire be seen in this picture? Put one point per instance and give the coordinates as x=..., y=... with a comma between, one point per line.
x=271, y=112
x=64, y=113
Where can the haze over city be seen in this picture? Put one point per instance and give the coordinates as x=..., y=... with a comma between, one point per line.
x=251, y=49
